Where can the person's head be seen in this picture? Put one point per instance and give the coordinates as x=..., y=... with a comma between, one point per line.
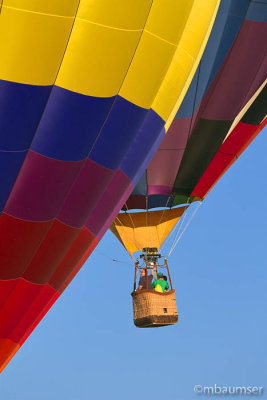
x=160, y=275
x=143, y=272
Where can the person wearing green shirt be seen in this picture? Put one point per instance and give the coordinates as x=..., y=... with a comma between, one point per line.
x=160, y=284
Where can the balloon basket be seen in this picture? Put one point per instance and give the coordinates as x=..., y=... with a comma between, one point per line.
x=154, y=309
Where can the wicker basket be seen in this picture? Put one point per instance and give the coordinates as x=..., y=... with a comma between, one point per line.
x=154, y=309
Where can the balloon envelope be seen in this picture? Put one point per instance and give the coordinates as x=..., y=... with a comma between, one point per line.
x=81, y=82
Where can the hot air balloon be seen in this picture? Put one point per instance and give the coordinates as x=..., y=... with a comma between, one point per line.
x=222, y=112
x=81, y=83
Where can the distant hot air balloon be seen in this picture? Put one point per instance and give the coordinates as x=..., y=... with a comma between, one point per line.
x=222, y=112
x=82, y=82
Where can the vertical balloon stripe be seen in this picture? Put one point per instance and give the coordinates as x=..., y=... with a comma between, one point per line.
x=252, y=122
x=39, y=57
x=242, y=135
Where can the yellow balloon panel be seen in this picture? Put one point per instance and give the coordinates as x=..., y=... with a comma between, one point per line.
x=145, y=229
x=120, y=14
x=167, y=19
x=190, y=47
x=32, y=44
x=147, y=70
x=54, y=7
x=97, y=59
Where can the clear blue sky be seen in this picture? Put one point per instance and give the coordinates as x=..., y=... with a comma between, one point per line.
x=88, y=348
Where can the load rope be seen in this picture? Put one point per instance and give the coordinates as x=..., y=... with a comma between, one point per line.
x=177, y=239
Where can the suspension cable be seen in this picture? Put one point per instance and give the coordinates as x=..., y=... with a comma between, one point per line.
x=179, y=226
x=183, y=231
x=161, y=218
x=150, y=237
x=137, y=244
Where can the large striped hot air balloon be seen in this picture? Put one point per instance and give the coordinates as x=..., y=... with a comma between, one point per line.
x=222, y=112
x=82, y=82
